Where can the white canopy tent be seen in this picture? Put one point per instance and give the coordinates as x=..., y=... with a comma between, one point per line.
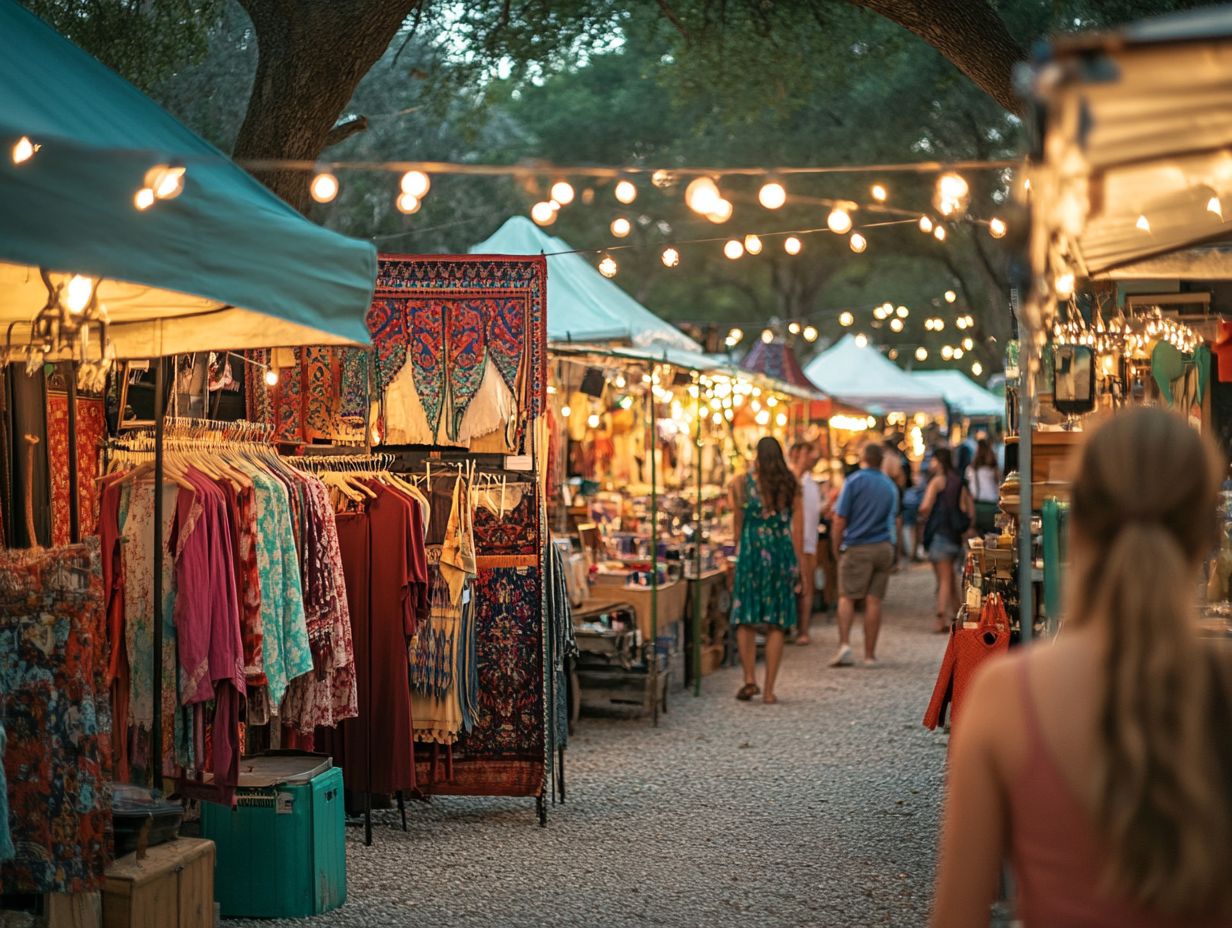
x=583, y=305
x=962, y=394
x=862, y=377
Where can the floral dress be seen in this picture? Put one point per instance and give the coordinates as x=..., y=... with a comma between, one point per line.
x=766, y=571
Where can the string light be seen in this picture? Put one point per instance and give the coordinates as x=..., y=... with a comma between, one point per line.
x=626, y=191
x=958, y=353
x=977, y=368
x=767, y=336
x=167, y=181
x=621, y=227
x=670, y=257
x=947, y=353
x=662, y=179
x=733, y=249
x=896, y=325
x=1064, y=285
x=997, y=227
x=862, y=340
x=858, y=243
x=409, y=204
x=926, y=224
x=839, y=221
x=543, y=213
x=717, y=418
x=939, y=233
x=735, y=336
x=23, y=150
x=752, y=244
x=702, y=195
x=608, y=266
x=810, y=333
x=593, y=420
x=324, y=187
x=416, y=183
x=77, y=293
x=902, y=312
x=271, y=377
x=921, y=353
x=1214, y=206
x=792, y=245
x=565, y=411
x=1143, y=224
x=562, y=192
x=968, y=343
x=144, y=198
x=950, y=296
x=721, y=213
x=879, y=193
x=950, y=196
x=794, y=328
x=845, y=319
x=772, y=195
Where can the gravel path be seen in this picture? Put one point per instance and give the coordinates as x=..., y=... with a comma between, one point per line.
x=821, y=810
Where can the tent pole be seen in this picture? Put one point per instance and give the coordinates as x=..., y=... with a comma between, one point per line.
x=74, y=491
x=654, y=551
x=156, y=735
x=697, y=555
x=1026, y=590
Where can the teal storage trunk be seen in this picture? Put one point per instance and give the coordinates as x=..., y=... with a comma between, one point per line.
x=282, y=850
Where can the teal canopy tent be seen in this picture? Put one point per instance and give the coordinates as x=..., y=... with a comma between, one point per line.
x=225, y=264
x=962, y=394
x=862, y=377
x=583, y=305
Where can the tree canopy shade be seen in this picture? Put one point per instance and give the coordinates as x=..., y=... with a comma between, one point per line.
x=226, y=264
x=862, y=377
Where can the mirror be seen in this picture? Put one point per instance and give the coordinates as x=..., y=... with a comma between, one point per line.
x=1073, y=379
x=591, y=541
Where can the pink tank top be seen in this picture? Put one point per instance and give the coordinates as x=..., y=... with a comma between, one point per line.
x=1057, y=859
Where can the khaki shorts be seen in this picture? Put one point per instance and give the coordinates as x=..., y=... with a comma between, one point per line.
x=864, y=570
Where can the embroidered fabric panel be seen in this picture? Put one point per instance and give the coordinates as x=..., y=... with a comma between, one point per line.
x=57, y=718
x=506, y=335
x=353, y=379
x=387, y=324
x=91, y=429
x=426, y=324
x=465, y=357
x=516, y=533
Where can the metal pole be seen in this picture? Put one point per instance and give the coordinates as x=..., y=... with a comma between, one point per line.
x=1026, y=564
x=74, y=491
x=697, y=555
x=654, y=550
x=156, y=736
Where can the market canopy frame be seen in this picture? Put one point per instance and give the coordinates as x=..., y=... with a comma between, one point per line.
x=226, y=264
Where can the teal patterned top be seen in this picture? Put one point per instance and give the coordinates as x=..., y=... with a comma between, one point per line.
x=766, y=570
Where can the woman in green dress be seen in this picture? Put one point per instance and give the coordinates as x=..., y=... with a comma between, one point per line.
x=766, y=504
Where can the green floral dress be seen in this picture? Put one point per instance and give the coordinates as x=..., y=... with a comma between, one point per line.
x=766, y=571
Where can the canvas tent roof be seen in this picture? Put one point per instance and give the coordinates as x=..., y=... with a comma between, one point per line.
x=863, y=377
x=583, y=305
x=961, y=393
x=226, y=264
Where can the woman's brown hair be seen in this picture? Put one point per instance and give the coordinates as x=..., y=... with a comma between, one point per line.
x=1144, y=518
x=775, y=481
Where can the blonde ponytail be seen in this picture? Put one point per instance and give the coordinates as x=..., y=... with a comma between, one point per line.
x=1144, y=506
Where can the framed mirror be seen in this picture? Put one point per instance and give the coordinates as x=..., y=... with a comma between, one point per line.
x=1073, y=379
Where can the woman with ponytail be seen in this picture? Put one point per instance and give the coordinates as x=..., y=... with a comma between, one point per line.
x=1100, y=764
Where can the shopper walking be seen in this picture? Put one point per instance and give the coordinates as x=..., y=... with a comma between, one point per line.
x=804, y=456
x=1101, y=764
x=947, y=513
x=984, y=482
x=863, y=531
x=768, y=514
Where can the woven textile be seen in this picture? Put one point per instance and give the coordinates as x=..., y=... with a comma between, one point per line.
x=516, y=533
x=353, y=382
x=387, y=323
x=91, y=429
x=464, y=357
x=426, y=324
x=57, y=718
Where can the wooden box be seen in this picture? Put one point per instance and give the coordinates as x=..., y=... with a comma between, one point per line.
x=670, y=602
x=1054, y=456
x=173, y=887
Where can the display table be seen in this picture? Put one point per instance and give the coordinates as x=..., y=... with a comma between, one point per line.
x=709, y=635
x=671, y=597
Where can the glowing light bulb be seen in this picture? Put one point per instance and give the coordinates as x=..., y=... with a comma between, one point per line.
x=845, y=319
x=733, y=249
x=947, y=353
x=958, y=353
x=721, y=213
x=810, y=333
x=950, y=296
x=752, y=244
x=562, y=192
x=794, y=328
x=1064, y=285
x=977, y=368
x=781, y=420
x=543, y=213
x=902, y=312
x=736, y=335
x=608, y=266
x=1143, y=224
x=939, y=233
x=407, y=203
x=839, y=221
x=23, y=150
x=324, y=187
x=566, y=411
x=77, y=293
x=896, y=325
x=926, y=224
x=792, y=245
x=166, y=181
x=670, y=257
x=767, y=336
x=772, y=195
x=271, y=377
x=143, y=198
x=717, y=418
x=702, y=195
x=968, y=344
x=621, y=227
x=858, y=242
x=662, y=179
x=1214, y=206
x=626, y=191
x=416, y=183
x=862, y=340
x=997, y=227
x=879, y=312
x=593, y=420
x=921, y=354
x=879, y=193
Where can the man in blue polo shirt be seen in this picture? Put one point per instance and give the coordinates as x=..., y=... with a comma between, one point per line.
x=865, y=539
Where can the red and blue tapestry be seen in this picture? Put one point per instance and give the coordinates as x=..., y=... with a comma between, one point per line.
x=515, y=533
x=425, y=324
x=465, y=356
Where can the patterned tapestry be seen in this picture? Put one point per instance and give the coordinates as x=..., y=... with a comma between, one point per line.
x=514, y=533
x=56, y=713
x=91, y=430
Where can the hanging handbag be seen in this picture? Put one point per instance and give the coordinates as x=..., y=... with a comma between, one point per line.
x=965, y=651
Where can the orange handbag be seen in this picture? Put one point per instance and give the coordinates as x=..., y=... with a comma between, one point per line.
x=965, y=651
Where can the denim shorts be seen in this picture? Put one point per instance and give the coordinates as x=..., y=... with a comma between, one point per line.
x=943, y=549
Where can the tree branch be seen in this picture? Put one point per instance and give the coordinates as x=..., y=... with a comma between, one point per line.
x=346, y=127
x=670, y=15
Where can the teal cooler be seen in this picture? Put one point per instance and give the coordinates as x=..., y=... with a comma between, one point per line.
x=281, y=853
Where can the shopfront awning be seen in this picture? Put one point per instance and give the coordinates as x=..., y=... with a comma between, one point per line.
x=962, y=394
x=862, y=377
x=226, y=264
x=583, y=305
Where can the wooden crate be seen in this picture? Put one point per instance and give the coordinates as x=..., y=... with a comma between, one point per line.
x=173, y=887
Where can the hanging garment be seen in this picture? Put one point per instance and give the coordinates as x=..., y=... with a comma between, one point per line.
x=465, y=359
x=91, y=429
x=433, y=660
x=352, y=364
x=562, y=645
x=426, y=326
x=57, y=719
x=964, y=652
x=7, y=851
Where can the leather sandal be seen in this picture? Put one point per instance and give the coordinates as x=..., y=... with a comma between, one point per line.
x=748, y=691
